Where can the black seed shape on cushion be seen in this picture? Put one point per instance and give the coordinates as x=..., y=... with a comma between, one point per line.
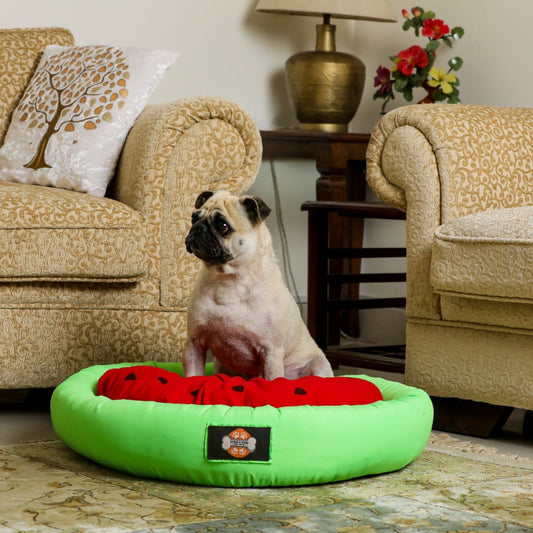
x=130, y=377
x=238, y=388
x=163, y=380
x=300, y=391
x=195, y=392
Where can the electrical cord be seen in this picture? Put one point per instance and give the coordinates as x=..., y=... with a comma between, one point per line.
x=286, y=259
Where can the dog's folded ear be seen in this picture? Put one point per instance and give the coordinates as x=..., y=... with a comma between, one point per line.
x=256, y=209
x=202, y=198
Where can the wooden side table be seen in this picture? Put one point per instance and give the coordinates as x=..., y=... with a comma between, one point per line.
x=323, y=299
x=340, y=159
x=341, y=166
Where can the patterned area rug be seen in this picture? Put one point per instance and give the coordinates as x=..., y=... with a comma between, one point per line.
x=452, y=486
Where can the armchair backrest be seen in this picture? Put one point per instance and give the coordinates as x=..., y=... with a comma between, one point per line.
x=20, y=52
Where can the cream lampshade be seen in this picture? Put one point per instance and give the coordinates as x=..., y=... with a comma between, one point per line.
x=325, y=85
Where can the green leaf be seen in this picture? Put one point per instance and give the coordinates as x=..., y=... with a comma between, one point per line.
x=455, y=63
x=439, y=96
x=457, y=32
x=447, y=41
x=400, y=84
x=428, y=15
x=418, y=79
x=407, y=24
x=432, y=46
x=424, y=73
x=416, y=24
x=408, y=94
x=453, y=97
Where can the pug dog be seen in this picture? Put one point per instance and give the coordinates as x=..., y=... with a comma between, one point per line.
x=240, y=308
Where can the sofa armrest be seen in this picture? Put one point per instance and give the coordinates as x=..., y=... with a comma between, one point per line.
x=441, y=162
x=483, y=156
x=160, y=143
x=174, y=152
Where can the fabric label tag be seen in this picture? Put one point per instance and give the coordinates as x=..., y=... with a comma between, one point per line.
x=238, y=443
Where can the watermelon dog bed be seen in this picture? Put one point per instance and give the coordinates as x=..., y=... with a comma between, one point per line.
x=208, y=443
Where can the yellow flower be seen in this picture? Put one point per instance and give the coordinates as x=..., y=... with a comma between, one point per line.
x=442, y=80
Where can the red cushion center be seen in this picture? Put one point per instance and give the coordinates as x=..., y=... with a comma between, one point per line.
x=149, y=383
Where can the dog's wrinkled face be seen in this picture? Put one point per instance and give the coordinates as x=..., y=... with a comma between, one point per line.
x=222, y=226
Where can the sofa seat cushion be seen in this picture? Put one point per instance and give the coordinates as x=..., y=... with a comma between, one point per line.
x=53, y=234
x=486, y=255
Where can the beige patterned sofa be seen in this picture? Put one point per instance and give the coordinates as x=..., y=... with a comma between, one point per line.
x=464, y=176
x=87, y=280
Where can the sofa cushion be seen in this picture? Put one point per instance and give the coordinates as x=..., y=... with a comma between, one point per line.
x=486, y=255
x=21, y=51
x=53, y=234
x=71, y=122
x=499, y=313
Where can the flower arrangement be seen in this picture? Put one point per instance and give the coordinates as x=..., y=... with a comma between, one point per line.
x=414, y=67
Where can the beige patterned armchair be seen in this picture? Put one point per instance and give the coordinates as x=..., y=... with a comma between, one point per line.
x=464, y=176
x=87, y=280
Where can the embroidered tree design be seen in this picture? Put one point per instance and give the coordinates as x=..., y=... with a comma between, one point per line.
x=78, y=87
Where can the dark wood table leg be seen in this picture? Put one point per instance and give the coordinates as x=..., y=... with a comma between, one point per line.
x=331, y=186
x=342, y=179
x=354, y=232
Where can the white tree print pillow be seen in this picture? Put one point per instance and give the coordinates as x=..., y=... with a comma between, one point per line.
x=71, y=123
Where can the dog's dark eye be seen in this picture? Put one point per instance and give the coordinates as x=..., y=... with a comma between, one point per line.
x=221, y=225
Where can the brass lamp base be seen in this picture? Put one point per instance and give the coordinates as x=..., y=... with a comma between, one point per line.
x=325, y=86
x=323, y=126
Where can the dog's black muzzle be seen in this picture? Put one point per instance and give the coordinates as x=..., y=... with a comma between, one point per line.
x=207, y=245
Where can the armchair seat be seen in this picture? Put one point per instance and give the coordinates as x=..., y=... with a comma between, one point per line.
x=486, y=255
x=51, y=234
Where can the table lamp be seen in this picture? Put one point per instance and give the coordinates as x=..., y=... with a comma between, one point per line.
x=325, y=85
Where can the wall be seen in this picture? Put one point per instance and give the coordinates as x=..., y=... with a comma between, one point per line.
x=493, y=49
x=227, y=49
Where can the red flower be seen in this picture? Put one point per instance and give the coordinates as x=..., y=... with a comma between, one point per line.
x=435, y=28
x=405, y=13
x=413, y=57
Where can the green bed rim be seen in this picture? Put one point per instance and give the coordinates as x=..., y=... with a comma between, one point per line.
x=292, y=445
